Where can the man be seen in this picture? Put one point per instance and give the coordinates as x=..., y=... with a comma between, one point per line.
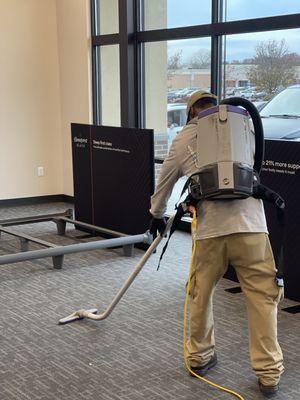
x=235, y=232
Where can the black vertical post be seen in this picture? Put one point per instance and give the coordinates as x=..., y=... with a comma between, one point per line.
x=96, y=85
x=216, y=49
x=128, y=68
x=140, y=59
x=224, y=19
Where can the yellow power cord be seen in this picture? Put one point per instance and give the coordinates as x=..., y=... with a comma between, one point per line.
x=185, y=326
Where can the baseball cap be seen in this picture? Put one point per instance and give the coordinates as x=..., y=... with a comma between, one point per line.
x=199, y=94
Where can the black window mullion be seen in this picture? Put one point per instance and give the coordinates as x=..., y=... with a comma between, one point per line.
x=94, y=5
x=216, y=46
x=105, y=40
x=96, y=85
x=216, y=59
x=128, y=70
x=221, y=28
x=140, y=67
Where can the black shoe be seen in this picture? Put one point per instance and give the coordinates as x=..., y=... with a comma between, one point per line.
x=202, y=370
x=268, y=391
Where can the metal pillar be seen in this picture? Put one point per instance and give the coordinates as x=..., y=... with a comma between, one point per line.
x=58, y=261
x=61, y=226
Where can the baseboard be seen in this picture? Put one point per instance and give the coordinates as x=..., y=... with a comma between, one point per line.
x=25, y=201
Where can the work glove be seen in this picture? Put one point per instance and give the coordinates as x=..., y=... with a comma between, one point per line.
x=157, y=225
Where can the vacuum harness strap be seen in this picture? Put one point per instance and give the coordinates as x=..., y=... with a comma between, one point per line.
x=181, y=209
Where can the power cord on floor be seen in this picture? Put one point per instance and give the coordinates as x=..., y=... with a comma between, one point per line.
x=232, y=392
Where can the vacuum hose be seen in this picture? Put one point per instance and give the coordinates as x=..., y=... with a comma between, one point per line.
x=258, y=128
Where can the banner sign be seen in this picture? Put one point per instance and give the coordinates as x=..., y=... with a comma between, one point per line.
x=82, y=174
x=281, y=172
x=113, y=171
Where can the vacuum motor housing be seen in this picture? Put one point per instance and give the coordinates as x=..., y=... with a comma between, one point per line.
x=225, y=154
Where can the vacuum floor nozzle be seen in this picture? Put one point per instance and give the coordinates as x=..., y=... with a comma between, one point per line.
x=75, y=316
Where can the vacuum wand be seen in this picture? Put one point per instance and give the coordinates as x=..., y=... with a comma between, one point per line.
x=92, y=313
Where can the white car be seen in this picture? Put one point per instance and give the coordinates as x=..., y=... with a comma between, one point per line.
x=176, y=120
x=281, y=115
x=247, y=94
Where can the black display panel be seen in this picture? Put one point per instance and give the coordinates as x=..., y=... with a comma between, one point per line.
x=121, y=176
x=281, y=172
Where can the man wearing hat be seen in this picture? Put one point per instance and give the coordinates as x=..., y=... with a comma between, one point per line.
x=227, y=232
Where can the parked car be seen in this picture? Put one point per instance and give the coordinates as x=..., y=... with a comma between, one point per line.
x=176, y=119
x=247, y=94
x=172, y=95
x=230, y=91
x=260, y=95
x=281, y=115
x=260, y=104
x=238, y=89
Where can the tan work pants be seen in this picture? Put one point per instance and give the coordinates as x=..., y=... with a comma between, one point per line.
x=251, y=256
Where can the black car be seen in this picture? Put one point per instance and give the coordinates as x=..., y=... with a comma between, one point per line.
x=281, y=115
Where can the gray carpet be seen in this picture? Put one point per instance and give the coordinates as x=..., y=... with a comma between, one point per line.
x=136, y=353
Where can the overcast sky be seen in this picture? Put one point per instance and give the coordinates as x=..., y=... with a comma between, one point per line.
x=195, y=12
x=239, y=47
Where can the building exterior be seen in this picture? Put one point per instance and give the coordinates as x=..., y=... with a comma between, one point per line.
x=236, y=76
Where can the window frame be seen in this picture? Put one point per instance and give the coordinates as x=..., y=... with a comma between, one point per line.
x=131, y=39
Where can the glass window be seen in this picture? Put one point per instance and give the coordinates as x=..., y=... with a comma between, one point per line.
x=162, y=14
x=109, y=72
x=108, y=18
x=183, y=68
x=262, y=67
x=245, y=9
x=258, y=65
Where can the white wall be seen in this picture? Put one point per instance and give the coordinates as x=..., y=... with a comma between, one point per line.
x=44, y=86
x=30, y=131
x=75, y=75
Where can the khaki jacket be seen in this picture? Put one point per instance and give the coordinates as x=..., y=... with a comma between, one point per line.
x=215, y=218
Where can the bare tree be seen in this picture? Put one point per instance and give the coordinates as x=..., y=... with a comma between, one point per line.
x=174, y=61
x=200, y=59
x=272, y=66
x=293, y=59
